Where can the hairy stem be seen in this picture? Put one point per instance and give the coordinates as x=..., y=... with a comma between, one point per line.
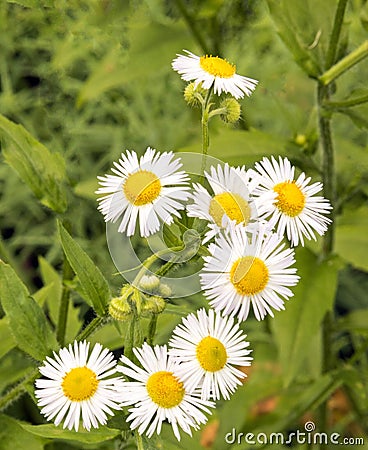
x=17, y=390
x=93, y=326
x=328, y=167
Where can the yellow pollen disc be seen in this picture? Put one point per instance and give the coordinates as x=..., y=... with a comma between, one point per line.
x=249, y=275
x=211, y=354
x=233, y=205
x=79, y=384
x=165, y=389
x=142, y=187
x=290, y=199
x=217, y=67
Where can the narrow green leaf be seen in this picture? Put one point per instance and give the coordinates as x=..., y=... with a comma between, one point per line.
x=41, y=170
x=295, y=327
x=50, y=431
x=27, y=321
x=94, y=284
x=14, y=436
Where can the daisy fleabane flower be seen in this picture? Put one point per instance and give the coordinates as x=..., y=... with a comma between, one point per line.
x=212, y=70
x=231, y=200
x=209, y=346
x=296, y=210
x=150, y=187
x=248, y=268
x=77, y=384
x=159, y=394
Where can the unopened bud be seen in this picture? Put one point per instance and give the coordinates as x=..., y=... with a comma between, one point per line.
x=149, y=283
x=120, y=309
x=165, y=290
x=153, y=305
x=232, y=110
x=191, y=93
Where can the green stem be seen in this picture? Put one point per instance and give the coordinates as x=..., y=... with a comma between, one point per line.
x=138, y=438
x=93, y=326
x=192, y=24
x=205, y=135
x=335, y=34
x=345, y=64
x=328, y=169
x=17, y=390
x=346, y=103
x=152, y=329
x=129, y=338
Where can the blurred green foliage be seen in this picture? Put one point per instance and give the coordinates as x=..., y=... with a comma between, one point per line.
x=85, y=80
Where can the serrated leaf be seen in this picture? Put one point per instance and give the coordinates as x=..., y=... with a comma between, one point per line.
x=295, y=327
x=43, y=171
x=14, y=436
x=50, y=431
x=94, y=284
x=27, y=321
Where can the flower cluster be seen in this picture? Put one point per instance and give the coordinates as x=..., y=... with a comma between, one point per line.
x=249, y=216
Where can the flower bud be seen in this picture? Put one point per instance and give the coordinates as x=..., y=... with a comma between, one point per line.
x=191, y=92
x=232, y=110
x=153, y=305
x=149, y=283
x=120, y=309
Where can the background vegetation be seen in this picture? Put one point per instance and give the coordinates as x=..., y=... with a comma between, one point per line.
x=87, y=80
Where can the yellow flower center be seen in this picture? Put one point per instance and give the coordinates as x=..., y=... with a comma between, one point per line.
x=233, y=205
x=165, y=389
x=211, y=354
x=142, y=187
x=217, y=66
x=249, y=275
x=79, y=384
x=290, y=199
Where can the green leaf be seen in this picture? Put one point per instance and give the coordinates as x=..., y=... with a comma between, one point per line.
x=50, y=431
x=94, y=284
x=14, y=436
x=295, y=327
x=27, y=321
x=41, y=170
x=352, y=237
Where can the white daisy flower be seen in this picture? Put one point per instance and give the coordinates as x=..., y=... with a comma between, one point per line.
x=244, y=270
x=76, y=386
x=297, y=210
x=159, y=394
x=231, y=200
x=150, y=187
x=212, y=70
x=209, y=346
